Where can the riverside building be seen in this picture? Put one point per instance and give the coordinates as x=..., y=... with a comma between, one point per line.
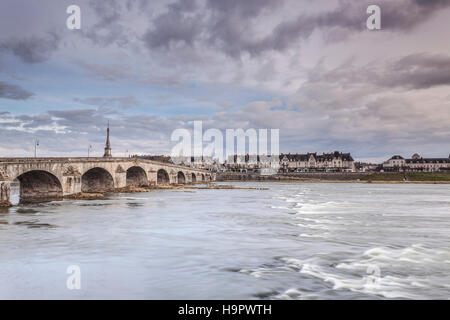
x=417, y=163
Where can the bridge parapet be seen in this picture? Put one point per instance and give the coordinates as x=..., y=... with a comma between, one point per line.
x=6, y=161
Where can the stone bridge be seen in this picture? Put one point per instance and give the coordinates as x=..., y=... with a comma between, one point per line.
x=43, y=178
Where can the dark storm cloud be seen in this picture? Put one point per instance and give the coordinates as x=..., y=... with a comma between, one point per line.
x=418, y=71
x=227, y=25
x=230, y=24
x=218, y=24
x=350, y=16
x=107, y=28
x=33, y=49
x=13, y=92
x=405, y=15
x=175, y=26
x=415, y=71
x=402, y=15
x=243, y=9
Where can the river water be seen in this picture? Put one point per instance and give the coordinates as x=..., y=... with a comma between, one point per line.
x=293, y=241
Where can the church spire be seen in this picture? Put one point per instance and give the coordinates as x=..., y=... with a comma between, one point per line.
x=107, y=153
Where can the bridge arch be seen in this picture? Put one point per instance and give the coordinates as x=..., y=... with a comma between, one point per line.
x=162, y=177
x=194, y=178
x=203, y=177
x=38, y=185
x=181, y=178
x=97, y=180
x=137, y=177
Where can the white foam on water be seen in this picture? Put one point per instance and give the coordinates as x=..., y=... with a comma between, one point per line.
x=314, y=226
x=306, y=235
x=290, y=294
x=280, y=207
x=417, y=254
x=393, y=279
x=293, y=261
x=302, y=225
x=389, y=286
x=316, y=208
x=309, y=219
x=321, y=224
x=257, y=273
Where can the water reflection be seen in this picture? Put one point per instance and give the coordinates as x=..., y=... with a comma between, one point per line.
x=15, y=192
x=26, y=211
x=34, y=224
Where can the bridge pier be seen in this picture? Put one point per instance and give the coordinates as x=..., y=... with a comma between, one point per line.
x=71, y=181
x=5, y=191
x=71, y=185
x=152, y=176
x=120, y=178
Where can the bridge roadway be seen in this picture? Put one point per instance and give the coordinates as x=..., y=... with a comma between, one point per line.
x=58, y=177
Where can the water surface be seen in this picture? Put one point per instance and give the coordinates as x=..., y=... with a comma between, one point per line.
x=293, y=241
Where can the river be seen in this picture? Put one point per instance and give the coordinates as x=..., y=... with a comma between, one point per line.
x=292, y=241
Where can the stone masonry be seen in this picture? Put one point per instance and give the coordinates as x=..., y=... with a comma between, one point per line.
x=58, y=177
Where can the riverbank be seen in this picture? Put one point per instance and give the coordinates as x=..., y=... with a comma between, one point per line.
x=338, y=177
x=409, y=177
x=85, y=196
x=294, y=176
x=5, y=204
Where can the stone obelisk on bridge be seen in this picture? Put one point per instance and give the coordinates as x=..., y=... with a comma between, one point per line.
x=107, y=153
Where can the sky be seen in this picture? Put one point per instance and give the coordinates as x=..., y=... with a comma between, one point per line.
x=309, y=68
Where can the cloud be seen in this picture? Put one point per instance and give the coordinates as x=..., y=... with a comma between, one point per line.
x=13, y=92
x=106, y=72
x=122, y=102
x=234, y=26
x=82, y=127
x=374, y=109
x=107, y=28
x=233, y=64
x=32, y=49
x=218, y=24
x=176, y=25
x=407, y=14
x=414, y=71
x=418, y=71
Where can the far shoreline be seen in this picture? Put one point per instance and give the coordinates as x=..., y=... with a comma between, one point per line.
x=339, y=181
x=343, y=177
